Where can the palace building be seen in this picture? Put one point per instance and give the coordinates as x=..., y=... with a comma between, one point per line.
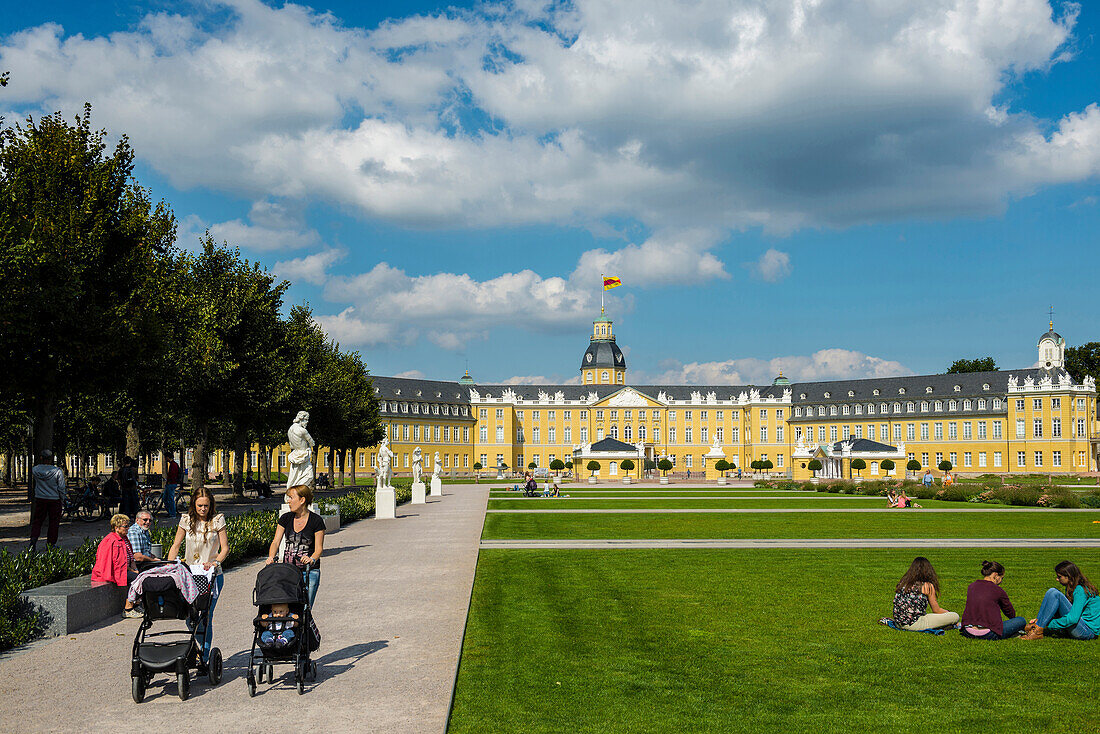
x=1037, y=419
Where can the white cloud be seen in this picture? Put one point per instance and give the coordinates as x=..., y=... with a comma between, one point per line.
x=772, y=266
x=411, y=374
x=825, y=364
x=310, y=268
x=718, y=115
x=538, y=380
x=272, y=226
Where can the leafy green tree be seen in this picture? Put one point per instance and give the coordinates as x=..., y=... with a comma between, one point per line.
x=814, y=466
x=944, y=465
x=767, y=465
x=859, y=465
x=477, y=464
x=664, y=465
x=627, y=465
x=913, y=465
x=1084, y=361
x=532, y=465
x=650, y=465
x=569, y=464
x=722, y=466
x=593, y=466
x=557, y=465
x=79, y=248
x=978, y=364
x=887, y=465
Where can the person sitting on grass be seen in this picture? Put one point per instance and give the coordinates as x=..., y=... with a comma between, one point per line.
x=918, y=590
x=280, y=623
x=891, y=498
x=114, y=561
x=905, y=500
x=1075, y=613
x=985, y=600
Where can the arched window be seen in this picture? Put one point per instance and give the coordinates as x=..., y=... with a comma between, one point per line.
x=603, y=376
x=874, y=467
x=641, y=432
x=621, y=377
x=627, y=433
x=613, y=468
x=614, y=432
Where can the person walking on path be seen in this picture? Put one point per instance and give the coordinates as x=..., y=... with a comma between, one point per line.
x=205, y=544
x=918, y=590
x=128, y=478
x=305, y=538
x=928, y=478
x=985, y=600
x=49, y=499
x=171, y=484
x=1075, y=613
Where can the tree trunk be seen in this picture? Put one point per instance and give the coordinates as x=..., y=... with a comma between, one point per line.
x=198, y=461
x=343, y=458
x=263, y=469
x=133, y=441
x=227, y=476
x=164, y=460
x=9, y=473
x=44, y=419
x=238, y=468
x=331, y=467
x=354, y=461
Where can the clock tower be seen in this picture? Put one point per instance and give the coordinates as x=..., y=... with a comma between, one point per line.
x=603, y=362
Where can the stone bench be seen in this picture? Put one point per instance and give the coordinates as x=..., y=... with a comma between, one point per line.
x=76, y=603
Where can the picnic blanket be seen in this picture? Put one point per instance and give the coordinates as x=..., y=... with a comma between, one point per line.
x=886, y=621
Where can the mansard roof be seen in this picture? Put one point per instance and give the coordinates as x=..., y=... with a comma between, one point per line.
x=865, y=445
x=915, y=386
x=420, y=391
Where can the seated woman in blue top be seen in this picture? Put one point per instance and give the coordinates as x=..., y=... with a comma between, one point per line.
x=1076, y=613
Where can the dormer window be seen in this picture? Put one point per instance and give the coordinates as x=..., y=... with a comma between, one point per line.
x=901, y=391
x=851, y=394
x=801, y=396
x=939, y=405
x=958, y=388
x=985, y=386
x=875, y=391
x=928, y=390
x=828, y=395
x=953, y=405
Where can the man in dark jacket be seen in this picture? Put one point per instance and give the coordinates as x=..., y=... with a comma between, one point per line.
x=49, y=499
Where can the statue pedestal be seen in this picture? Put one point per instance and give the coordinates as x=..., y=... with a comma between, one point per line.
x=418, y=493
x=437, y=487
x=385, y=504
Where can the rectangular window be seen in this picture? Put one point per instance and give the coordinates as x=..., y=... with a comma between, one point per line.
x=1038, y=458
x=465, y=461
x=1021, y=459
x=584, y=434
x=687, y=460
x=939, y=458
x=657, y=434
x=703, y=435
x=567, y=414
x=362, y=460
x=483, y=434
x=952, y=430
x=687, y=415
x=500, y=413
x=847, y=432
x=551, y=435
x=884, y=433
x=1055, y=403
x=968, y=430
x=687, y=434
x=1080, y=403
x=821, y=434
x=500, y=434
x=924, y=460
x=981, y=458
x=981, y=429
x=672, y=434
x=702, y=415
x=416, y=433
x=1080, y=428
x=466, y=434
x=832, y=433
x=1037, y=428
x=614, y=415
x=436, y=434
x=1037, y=404
x=599, y=415
x=996, y=429
x=939, y=431
x=282, y=459
x=779, y=461
x=568, y=434
x=1020, y=404
x=923, y=431
x=1056, y=459
x=584, y=415
x=536, y=435
x=763, y=434
x=953, y=458
x=483, y=413
x=797, y=433
x=996, y=458
x=966, y=458
x=859, y=432
x=779, y=434
x=763, y=415
x=719, y=434
x=897, y=431
x=406, y=460
x=1055, y=427
x=1020, y=428
x=550, y=414
x=910, y=432
x=779, y=416
x=656, y=415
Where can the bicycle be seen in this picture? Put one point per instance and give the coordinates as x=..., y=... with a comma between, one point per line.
x=151, y=499
x=82, y=503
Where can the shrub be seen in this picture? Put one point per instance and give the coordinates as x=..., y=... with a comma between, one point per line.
x=664, y=465
x=477, y=466
x=873, y=489
x=650, y=465
x=954, y=493
x=922, y=492
x=593, y=466
x=722, y=466
x=887, y=465
x=627, y=465
x=814, y=466
x=913, y=465
x=1058, y=497
x=1011, y=494
x=1091, y=500
x=809, y=487
x=532, y=465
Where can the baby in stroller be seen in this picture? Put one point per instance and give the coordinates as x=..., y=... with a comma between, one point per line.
x=285, y=632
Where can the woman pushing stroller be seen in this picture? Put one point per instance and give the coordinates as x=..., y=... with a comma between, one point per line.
x=304, y=532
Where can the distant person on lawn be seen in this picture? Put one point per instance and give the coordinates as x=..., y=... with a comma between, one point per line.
x=985, y=601
x=918, y=590
x=1075, y=613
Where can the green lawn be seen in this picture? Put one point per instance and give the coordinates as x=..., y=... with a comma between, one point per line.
x=760, y=641
x=865, y=503
x=903, y=524
x=716, y=492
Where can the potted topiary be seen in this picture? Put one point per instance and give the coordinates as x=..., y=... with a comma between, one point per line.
x=649, y=466
x=627, y=466
x=766, y=465
x=912, y=466
x=887, y=466
x=814, y=466
x=944, y=465
x=665, y=466
x=859, y=465
x=593, y=466
x=532, y=465
x=557, y=465
x=721, y=466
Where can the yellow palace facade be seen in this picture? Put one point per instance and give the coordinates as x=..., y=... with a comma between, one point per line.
x=1035, y=420
x=1038, y=419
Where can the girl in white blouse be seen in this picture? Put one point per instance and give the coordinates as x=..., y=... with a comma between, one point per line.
x=207, y=543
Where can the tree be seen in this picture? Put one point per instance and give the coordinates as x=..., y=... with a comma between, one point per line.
x=978, y=364
x=1084, y=361
x=80, y=243
x=477, y=466
x=569, y=464
x=756, y=465
x=557, y=465
x=814, y=466
x=944, y=465
x=722, y=466
x=532, y=465
x=664, y=465
x=913, y=465
x=593, y=466
x=627, y=465
x=767, y=465
x=859, y=464
x=887, y=465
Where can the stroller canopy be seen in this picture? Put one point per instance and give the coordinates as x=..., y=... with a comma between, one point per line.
x=280, y=583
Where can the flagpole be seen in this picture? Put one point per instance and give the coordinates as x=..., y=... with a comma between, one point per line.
x=602, y=291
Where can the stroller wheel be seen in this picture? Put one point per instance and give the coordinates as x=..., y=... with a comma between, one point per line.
x=214, y=667
x=300, y=676
x=251, y=684
x=137, y=688
x=270, y=673
x=183, y=684
x=313, y=670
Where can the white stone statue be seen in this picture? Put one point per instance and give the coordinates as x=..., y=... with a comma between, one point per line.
x=712, y=397
x=559, y=396
x=1029, y=381
x=1090, y=382
x=1045, y=382
x=1064, y=380
x=661, y=397
x=475, y=396
x=743, y=397
x=592, y=396
x=696, y=396
x=300, y=460
x=1013, y=382
x=384, y=479
x=437, y=468
x=544, y=397
x=418, y=464
x=509, y=395
x=754, y=394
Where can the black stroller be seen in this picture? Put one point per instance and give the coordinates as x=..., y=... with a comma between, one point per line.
x=182, y=651
x=282, y=583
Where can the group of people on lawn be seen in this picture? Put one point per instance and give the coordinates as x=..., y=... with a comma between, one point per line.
x=1073, y=612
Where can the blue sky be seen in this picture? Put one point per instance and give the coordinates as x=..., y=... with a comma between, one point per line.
x=840, y=189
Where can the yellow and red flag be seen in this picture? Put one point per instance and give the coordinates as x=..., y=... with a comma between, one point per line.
x=609, y=283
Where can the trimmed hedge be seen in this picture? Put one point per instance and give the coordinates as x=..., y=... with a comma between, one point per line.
x=249, y=533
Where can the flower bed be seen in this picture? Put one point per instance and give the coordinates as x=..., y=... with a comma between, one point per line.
x=992, y=492
x=250, y=536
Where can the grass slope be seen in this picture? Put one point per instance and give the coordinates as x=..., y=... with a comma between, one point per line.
x=726, y=641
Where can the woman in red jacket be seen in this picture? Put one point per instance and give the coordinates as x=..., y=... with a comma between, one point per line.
x=114, y=560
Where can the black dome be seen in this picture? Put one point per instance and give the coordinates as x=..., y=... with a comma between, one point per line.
x=603, y=354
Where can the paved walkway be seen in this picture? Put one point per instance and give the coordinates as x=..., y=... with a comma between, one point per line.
x=391, y=609
x=797, y=543
x=773, y=510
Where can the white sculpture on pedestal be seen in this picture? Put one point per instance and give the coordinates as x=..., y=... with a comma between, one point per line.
x=437, y=483
x=418, y=464
x=437, y=468
x=385, y=472
x=300, y=460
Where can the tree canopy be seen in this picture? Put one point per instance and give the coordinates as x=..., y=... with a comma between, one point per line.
x=1084, y=360
x=978, y=364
